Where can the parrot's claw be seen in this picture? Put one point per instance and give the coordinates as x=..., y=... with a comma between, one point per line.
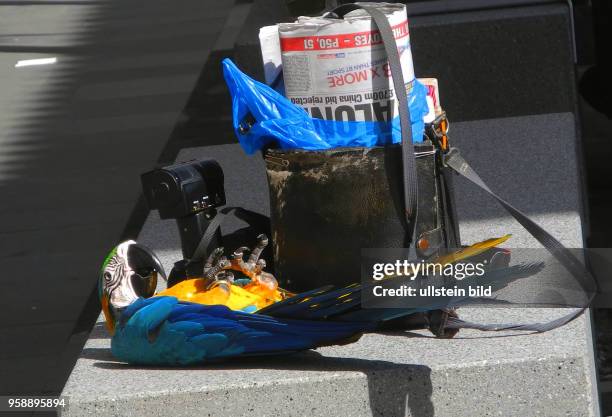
x=239, y=253
x=217, y=266
x=262, y=242
x=214, y=258
x=260, y=266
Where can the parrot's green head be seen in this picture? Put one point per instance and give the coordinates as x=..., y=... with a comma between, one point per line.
x=129, y=272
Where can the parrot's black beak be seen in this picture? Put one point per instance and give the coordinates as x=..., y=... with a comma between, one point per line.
x=146, y=266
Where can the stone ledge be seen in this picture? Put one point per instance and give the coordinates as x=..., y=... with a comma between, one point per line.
x=412, y=374
x=407, y=373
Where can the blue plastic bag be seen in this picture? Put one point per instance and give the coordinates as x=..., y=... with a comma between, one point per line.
x=262, y=116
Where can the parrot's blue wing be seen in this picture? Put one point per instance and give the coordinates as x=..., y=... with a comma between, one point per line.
x=164, y=331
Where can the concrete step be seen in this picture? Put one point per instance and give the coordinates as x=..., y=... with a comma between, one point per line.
x=396, y=374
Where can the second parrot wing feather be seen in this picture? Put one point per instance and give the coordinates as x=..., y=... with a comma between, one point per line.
x=344, y=304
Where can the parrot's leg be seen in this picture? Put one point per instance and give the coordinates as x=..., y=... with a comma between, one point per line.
x=267, y=280
x=237, y=260
x=223, y=282
x=253, y=268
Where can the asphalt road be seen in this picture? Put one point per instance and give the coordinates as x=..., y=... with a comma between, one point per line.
x=75, y=133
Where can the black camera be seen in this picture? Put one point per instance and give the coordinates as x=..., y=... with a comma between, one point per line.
x=185, y=188
x=189, y=192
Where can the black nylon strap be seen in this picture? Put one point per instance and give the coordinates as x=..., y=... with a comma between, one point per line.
x=251, y=217
x=454, y=160
x=201, y=250
x=410, y=185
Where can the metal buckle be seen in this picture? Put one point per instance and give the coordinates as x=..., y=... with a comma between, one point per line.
x=439, y=128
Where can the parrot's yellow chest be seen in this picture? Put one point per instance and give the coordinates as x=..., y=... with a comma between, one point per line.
x=237, y=298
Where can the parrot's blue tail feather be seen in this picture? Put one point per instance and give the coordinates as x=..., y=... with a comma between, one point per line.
x=344, y=304
x=310, y=308
x=296, y=299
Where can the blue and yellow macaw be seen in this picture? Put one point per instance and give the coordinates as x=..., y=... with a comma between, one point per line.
x=213, y=317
